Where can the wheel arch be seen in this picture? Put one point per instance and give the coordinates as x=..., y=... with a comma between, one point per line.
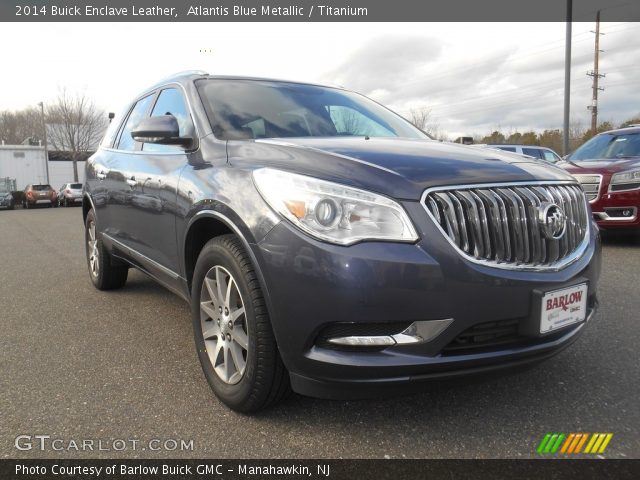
x=87, y=204
x=208, y=224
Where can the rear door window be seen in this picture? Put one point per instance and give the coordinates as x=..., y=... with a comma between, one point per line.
x=533, y=152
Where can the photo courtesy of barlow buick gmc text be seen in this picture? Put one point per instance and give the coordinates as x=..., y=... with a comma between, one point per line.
x=285, y=240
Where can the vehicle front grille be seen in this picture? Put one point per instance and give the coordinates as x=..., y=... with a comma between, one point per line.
x=591, y=185
x=500, y=225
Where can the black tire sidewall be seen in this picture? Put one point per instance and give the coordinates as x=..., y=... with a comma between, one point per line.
x=233, y=395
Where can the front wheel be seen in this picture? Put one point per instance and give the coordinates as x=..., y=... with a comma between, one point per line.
x=104, y=274
x=232, y=330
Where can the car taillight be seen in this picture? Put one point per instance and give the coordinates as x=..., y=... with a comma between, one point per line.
x=29, y=194
x=67, y=191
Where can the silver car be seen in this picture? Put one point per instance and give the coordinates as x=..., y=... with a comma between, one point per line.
x=70, y=194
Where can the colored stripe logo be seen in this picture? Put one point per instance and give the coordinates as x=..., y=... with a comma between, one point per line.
x=573, y=443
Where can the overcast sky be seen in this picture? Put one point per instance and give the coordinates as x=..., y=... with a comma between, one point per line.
x=475, y=77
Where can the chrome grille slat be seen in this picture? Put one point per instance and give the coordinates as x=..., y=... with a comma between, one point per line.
x=499, y=224
x=484, y=220
x=464, y=236
x=475, y=222
x=536, y=232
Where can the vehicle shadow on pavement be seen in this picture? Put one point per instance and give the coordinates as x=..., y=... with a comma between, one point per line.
x=621, y=238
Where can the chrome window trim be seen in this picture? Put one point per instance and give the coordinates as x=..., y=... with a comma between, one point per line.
x=554, y=267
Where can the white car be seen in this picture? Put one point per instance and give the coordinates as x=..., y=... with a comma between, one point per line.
x=70, y=194
x=540, y=153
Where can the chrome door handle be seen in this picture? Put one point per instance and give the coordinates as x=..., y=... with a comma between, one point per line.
x=131, y=182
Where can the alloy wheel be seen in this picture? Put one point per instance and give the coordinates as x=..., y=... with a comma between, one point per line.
x=224, y=325
x=92, y=250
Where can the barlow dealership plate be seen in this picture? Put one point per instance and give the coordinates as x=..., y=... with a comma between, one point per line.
x=563, y=307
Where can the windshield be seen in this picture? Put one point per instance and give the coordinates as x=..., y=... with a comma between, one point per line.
x=248, y=109
x=609, y=146
x=41, y=188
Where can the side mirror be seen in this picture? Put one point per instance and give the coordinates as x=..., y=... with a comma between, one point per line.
x=163, y=130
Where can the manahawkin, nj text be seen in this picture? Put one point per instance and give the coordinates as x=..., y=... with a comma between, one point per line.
x=189, y=10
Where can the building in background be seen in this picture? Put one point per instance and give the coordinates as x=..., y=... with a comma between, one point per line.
x=26, y=165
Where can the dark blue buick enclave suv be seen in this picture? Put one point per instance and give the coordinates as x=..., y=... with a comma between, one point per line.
x=328, y=247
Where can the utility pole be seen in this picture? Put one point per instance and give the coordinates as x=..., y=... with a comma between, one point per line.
x=596, y=75
x=46, y=151
x=567, y=79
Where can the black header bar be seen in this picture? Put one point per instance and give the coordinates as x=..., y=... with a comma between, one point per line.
x=317, y=469
x=314, y=10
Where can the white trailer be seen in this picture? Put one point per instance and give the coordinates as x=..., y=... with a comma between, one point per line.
x=26, y=165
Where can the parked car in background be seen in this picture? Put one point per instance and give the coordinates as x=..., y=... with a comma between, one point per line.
x=6, y=198
x=327, y=245
x=39, y=195
x=540, y=153
x=608, y=168
x=70, y=194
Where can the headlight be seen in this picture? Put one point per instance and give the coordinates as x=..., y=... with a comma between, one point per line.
x=333, y=212
x=630, y=177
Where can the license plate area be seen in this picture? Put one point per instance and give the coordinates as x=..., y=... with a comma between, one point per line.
x=563, y=307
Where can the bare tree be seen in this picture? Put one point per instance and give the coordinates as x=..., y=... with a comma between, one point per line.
x=20, y=126
x=75, y=125
x=352, y=123
x=422, y=119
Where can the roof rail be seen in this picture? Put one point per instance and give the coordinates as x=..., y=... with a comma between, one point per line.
x=185, y=73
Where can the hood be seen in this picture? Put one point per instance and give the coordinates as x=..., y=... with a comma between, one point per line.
x=401, y=168
x=602, y=166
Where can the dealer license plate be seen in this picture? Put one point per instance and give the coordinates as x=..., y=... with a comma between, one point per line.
x=563, y=307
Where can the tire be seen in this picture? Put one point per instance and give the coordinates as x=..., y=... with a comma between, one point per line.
x=104, y=274
x=264, y=379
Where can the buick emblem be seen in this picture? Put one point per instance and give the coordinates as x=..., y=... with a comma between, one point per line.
x=552, y=220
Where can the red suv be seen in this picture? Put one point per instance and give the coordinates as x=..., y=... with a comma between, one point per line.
x=37, y=195
x=608, y=168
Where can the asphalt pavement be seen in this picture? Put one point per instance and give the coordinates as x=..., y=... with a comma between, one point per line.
x=77, y=364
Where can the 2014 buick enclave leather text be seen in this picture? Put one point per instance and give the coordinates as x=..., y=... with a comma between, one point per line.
x=329, y=247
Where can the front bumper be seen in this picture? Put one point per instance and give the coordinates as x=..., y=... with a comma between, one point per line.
x=609, y=206
x=312, y=285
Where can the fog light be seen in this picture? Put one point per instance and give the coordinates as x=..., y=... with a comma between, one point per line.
x=418, y=332
x=361, y=341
